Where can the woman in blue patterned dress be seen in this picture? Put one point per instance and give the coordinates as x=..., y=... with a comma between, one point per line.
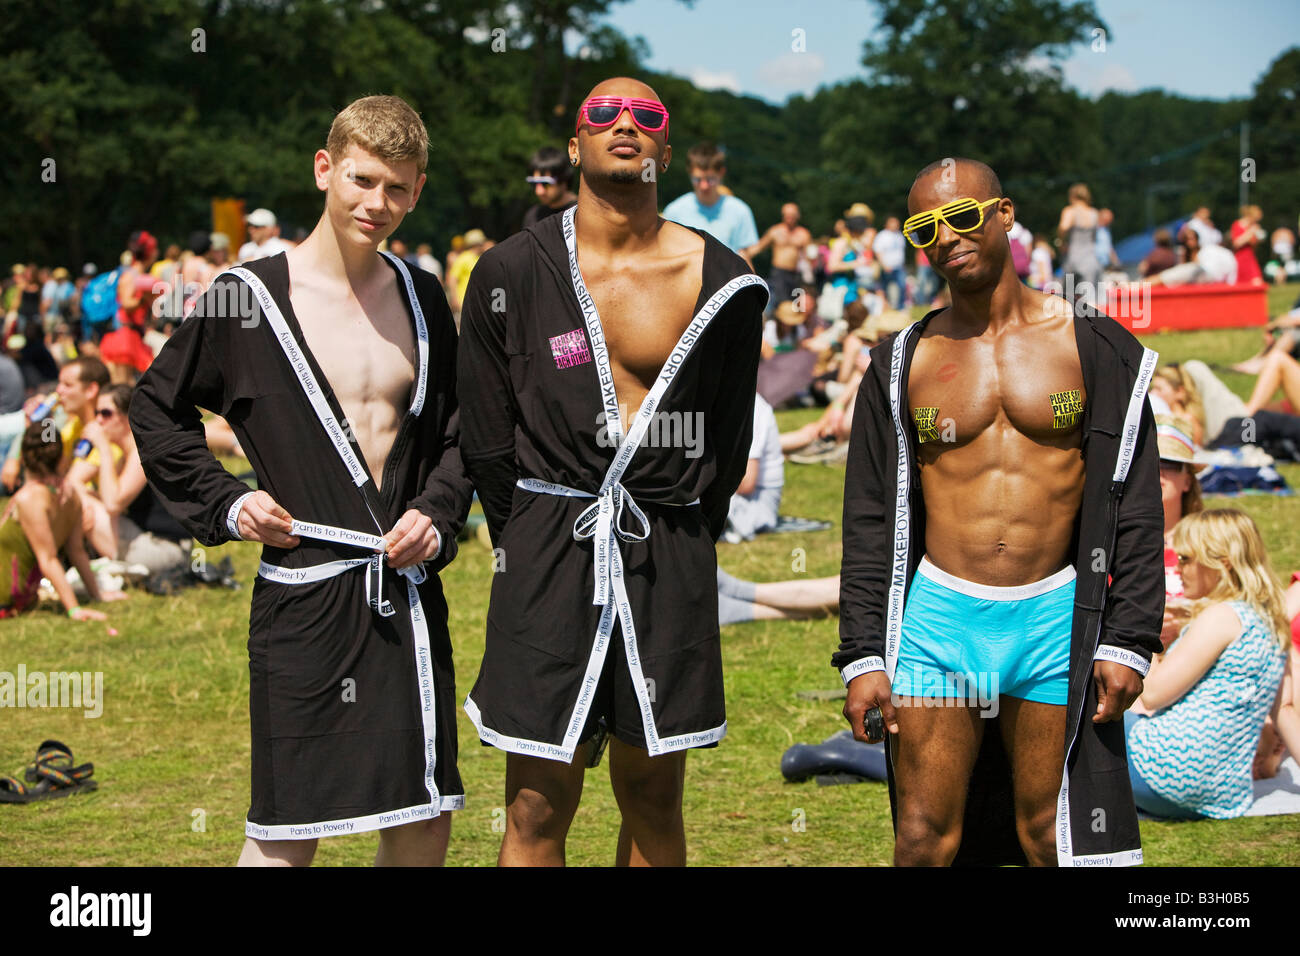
x=1192, y=735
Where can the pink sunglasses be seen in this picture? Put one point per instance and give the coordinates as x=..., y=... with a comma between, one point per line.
x=600, y=111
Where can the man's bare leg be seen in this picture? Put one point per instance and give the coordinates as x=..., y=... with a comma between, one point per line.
x=422, y=843
x=541, y=798
x=934, y=753
x=277, y=852
x=1033, y=735
x=649, y=794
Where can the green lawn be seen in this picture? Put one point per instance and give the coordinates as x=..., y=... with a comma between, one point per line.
x=173, y=738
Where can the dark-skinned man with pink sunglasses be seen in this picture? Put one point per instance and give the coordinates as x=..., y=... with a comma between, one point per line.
x=1001, y=586
x=607, y=371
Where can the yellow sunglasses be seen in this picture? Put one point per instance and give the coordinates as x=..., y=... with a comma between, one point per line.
x=961, y=215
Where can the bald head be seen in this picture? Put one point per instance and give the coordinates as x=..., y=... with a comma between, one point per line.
x=622, y=86
x=971, y=171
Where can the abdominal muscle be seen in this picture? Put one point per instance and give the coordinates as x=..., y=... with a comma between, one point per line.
x=1000, y=510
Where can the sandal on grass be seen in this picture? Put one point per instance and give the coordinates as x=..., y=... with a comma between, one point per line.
x=51, y=774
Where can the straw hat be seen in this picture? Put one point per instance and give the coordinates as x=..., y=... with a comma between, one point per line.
x=1174, y=438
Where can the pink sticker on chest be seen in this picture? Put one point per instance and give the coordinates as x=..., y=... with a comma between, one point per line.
x=570, y=349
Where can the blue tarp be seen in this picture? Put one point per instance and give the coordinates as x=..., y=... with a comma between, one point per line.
x=1133, y=249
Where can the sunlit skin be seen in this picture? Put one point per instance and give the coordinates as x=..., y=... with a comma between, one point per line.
x=624, y=249
x=787, y=238
x=357, y=327
x=1002, y=478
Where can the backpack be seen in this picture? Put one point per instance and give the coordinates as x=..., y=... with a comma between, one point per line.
x=99, y=299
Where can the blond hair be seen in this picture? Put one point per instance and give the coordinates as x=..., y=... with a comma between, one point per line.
x=1177, y=377
x=1227, y=540
x=1080, y=191
x=383, y=125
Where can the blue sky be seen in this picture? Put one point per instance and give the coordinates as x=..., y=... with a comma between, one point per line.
x=1202, y=48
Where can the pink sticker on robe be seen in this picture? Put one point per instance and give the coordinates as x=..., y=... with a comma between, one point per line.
x=570, y=349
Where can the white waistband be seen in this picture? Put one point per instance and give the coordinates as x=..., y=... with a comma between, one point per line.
x=990, y=592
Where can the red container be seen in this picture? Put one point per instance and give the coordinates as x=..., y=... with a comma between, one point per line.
x=1142, y=309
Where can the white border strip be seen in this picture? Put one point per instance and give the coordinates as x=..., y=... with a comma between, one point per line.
x=902, y=507
x=993, y=592
x=1118, y=858
x=863, y=666
x=232, y=516
x=421, y=337
x=1109, y=652
x=375, y=821
x=1133, y=418
x=298, y=362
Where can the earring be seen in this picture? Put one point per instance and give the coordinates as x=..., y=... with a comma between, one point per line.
x=573, y=160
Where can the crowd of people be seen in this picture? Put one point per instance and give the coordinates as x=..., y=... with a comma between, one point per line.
x=74, y=348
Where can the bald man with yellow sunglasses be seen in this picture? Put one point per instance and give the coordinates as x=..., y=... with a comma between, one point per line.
x=1002, y=587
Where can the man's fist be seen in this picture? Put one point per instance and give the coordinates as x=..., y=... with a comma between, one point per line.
x=412, y=540
x=866, y=691
x=1118, y=685
x=261, y=519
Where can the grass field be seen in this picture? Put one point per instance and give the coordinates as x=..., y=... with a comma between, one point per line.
x=171, y=750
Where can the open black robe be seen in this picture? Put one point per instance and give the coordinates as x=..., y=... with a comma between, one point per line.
x=538, y=406
x=1119, y=597
x=352, y=702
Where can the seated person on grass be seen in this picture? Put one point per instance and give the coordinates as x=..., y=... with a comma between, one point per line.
x=42, y=519
x=1194, y=732
x=123, y=518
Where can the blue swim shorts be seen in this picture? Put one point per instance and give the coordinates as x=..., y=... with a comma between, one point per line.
x=974, y=641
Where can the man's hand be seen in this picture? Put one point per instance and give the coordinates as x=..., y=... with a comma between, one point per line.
x=413, y=539
x=261, y=519
x=1118, y=685
x=866, y=691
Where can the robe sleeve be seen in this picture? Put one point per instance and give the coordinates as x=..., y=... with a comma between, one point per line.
x=486, y=394
x=730, y=425
x=1135, y=603
x=447, y=493
x=870, y=486
x=190, y=371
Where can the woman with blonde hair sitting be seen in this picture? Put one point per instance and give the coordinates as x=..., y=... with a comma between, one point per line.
x=1193, y=734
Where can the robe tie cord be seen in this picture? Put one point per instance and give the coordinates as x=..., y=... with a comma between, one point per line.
x=415, y=574
x=602, y=521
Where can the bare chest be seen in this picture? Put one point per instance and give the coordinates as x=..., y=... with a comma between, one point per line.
x=643, y=313
x=364, y=348
x=1030, y=381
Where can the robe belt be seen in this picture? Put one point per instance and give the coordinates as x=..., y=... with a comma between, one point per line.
x=602, y=521
x=414, y=574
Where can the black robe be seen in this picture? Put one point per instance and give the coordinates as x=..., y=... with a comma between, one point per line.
x=538, y=407
x=352, y=692
x=1118, y=555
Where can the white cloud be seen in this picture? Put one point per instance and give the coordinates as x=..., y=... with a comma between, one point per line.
x=1118, y=78
x=708, y=80
x=1092, y=78
x=793, y=72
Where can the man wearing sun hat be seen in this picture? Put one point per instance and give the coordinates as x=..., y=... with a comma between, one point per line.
x=1180, y=494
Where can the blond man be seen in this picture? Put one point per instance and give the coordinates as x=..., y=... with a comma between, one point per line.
x=335, y=367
